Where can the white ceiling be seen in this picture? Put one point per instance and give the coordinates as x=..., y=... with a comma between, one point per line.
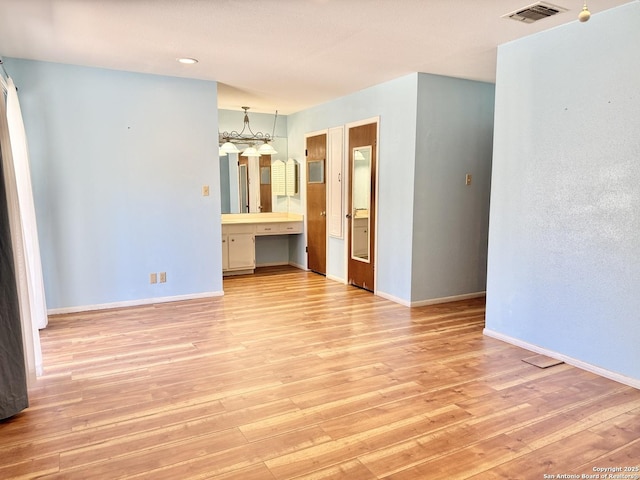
x=275, y=54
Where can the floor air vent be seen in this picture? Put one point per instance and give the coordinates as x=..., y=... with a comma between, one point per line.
x=535, y=12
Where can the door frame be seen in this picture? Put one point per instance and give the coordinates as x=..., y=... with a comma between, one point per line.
x=347, y=175
x=265, y=193
x=324, y=131
x=243, y=162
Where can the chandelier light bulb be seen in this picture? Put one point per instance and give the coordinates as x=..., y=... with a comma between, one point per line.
x=229, y=147
x=585, y=14
x=250, y=152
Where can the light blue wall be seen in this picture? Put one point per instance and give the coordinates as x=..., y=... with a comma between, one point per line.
x=564, y=262
x=272, y=250
x=395, y=103
x=450, y=219
x=118, y=162
x=432, y=229
x=118, y=159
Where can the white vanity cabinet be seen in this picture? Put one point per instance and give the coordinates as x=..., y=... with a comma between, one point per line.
x=239, y=233
x=241, y=251
x=225, y=252
x=238, y=249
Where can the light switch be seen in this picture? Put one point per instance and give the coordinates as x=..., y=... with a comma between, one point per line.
x=205, y=190
x=467, y=180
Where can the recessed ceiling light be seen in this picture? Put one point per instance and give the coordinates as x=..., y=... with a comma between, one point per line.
x=188, y=61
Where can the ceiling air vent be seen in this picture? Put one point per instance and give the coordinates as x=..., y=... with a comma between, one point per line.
x=535, y=12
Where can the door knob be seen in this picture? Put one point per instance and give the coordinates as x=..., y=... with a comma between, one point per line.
x=348, y=215
x=323, y=214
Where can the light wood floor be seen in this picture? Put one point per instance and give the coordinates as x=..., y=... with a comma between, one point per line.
x=291, y=375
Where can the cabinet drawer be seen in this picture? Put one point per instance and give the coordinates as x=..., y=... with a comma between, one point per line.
x=230, y=228
x=267, y=228
x=282, y=228
x=291, y=227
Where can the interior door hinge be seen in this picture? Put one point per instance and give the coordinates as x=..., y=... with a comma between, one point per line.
x=306, y=152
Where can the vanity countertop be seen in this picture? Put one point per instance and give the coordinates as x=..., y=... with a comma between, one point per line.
x=251, y=218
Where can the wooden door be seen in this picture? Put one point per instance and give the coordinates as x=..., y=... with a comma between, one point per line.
x=362, y=205
x=265, y=184
x=317, y=204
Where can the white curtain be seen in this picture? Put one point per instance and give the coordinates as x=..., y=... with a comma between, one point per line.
x=24, y=233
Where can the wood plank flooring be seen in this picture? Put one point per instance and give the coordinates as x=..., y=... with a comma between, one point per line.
x=293, y=376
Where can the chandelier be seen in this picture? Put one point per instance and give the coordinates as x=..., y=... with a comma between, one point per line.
x=229, y=141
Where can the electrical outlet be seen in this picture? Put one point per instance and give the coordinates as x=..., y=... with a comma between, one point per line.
x=205, y=190
x=153, y=278
x=163, y=277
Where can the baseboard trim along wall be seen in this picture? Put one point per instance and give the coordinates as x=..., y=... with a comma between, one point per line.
x=297, y=265
x=392, y=298
x=455, y=298
x=336, y=279
x=433, y=301
x=279, y=264
x=133, y=303
x=271, y=264
x=632, y=382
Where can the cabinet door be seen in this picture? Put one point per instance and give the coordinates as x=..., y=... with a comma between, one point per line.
x=241, y=251
x=225, y=252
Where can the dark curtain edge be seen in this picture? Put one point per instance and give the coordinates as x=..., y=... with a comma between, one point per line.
x=13, y=377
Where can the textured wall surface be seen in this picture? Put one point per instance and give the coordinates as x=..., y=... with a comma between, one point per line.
x=451, y=219
x=395, y=103
x=118, y=161
x=564, y=268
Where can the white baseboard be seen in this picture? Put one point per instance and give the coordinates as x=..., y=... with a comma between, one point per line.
x=454, y=298
x=392, y=298
x=336, y=279
x=632, y=382
x=298, y=265
x=279, y=264
x=132, y=303
x=433, y=301
x=271, y=264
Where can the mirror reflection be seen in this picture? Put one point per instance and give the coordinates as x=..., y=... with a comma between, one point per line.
x=257, y=184
x=251, y=189
x=361, y=204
